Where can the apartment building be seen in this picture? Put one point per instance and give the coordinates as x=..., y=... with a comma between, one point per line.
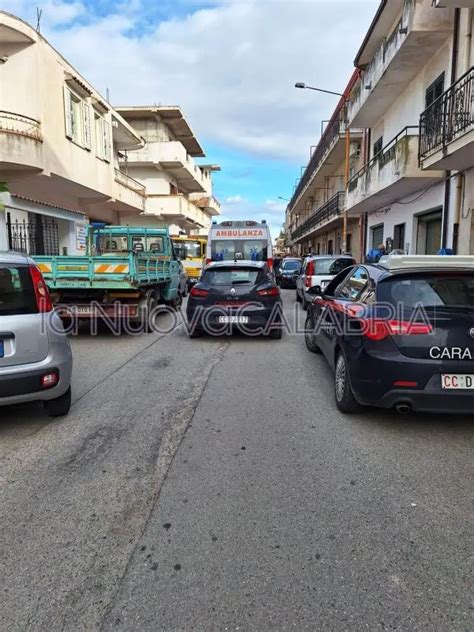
x=413, y=186
x=68, y=157
x=315, y=214
x=59, y=149
x=179, y=191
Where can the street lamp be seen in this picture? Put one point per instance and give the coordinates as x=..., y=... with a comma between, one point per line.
x=284, y=199
x=303, y=86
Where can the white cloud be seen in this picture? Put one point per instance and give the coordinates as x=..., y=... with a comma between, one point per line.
x=234, y=199
x=231, y=66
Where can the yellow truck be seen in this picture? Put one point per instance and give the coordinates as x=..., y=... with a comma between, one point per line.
x=192, y=253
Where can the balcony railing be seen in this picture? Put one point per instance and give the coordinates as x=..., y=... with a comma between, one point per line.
x=130, y=183
x=11, y=123
x=449, y=117
x=330, y=210
x=331, y=133
x=386, y=155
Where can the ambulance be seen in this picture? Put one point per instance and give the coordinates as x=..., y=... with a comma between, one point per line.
x=240, y=241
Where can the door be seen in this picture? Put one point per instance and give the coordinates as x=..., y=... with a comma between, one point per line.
x=429, y=233
x=399, y=237
x=377, y=236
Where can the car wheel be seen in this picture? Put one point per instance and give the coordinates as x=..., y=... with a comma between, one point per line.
x=345, y=400
x=196, y=333
x=276, y=334
x=60, y=406
x=309, y=336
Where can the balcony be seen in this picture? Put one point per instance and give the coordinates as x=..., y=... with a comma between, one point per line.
x=129, y=193
x=210, y=204
x=172, y=157
x=391, y=175
x=329, y=153
x=21, y=143
x=417, y=36
x=321, y=217
x=177, y=209
x=447, y=128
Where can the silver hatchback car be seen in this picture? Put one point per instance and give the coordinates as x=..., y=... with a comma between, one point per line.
x=35, y=355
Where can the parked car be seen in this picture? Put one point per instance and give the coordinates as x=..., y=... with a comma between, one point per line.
x=399, y=334
x=35, y=355
x=287, y=272
x=318, y=271
x=241, y=295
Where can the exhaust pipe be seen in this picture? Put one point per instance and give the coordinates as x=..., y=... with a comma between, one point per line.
x=403, y=409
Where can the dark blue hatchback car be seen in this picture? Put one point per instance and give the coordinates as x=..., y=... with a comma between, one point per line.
x=399, y=334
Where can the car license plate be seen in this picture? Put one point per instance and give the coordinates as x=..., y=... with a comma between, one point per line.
x=234, y=320
x=457, y=382
x=2, y=349
x=84, y=309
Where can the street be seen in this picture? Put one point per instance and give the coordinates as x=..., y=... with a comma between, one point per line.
x=211, y=484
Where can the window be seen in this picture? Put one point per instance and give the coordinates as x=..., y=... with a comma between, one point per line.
x=353, y=288
x=291, y=265
x=377, y=236
x=187, y=249
x=77, y=119
x=17, y=294
x=231, y=276
x=429, y=290
x=378, y=146
x=102, y=137
x=252, y=249
x=435, y=90
x=399, y=237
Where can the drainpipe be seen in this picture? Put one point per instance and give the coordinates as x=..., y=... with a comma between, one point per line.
x=454, y=70
x=457, y=210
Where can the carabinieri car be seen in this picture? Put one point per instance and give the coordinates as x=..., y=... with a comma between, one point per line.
x=399, y=334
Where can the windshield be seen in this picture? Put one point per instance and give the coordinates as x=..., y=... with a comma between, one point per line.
x=187, y=249
x=247, y=249
x=331, y=265
x=431, y=291
x=231, y=276
x=291, y=265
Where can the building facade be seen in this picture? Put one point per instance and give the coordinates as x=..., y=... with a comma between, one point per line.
x=414, y=98
x=67, y=157
x=409, y=110
x=179, y=191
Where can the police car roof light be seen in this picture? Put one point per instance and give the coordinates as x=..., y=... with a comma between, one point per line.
x=409, y=262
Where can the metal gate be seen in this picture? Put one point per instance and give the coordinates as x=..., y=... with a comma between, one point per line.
x=37, y=236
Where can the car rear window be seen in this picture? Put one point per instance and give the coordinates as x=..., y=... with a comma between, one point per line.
x=429, y=290
x=331, y=265
x=231, y=276
x=291, y=265
x=17, y=295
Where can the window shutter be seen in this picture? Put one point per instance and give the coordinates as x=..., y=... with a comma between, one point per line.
x=86, y=112
x=107, y=146
x=68, y=115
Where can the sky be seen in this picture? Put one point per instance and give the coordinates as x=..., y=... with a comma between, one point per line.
x=231, y=65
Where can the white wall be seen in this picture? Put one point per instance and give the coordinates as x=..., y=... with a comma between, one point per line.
x=406, y=211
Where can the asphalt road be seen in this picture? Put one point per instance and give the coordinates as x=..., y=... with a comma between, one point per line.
x=211, y=484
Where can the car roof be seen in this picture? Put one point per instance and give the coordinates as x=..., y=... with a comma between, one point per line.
x=238, y=264
x=14, y=257
x=330, y=257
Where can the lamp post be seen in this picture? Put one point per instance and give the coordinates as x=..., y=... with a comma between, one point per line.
x=303, y=86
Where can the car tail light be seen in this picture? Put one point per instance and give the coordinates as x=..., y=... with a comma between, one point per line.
x=43, y=300
x=381, y=329
x=198, y=292
x=271, y=291
x=405, y=384
x=49, y=380
x=208, y=261
x=309, y=273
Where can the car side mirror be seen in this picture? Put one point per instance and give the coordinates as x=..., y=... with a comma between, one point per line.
x=315, y=291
